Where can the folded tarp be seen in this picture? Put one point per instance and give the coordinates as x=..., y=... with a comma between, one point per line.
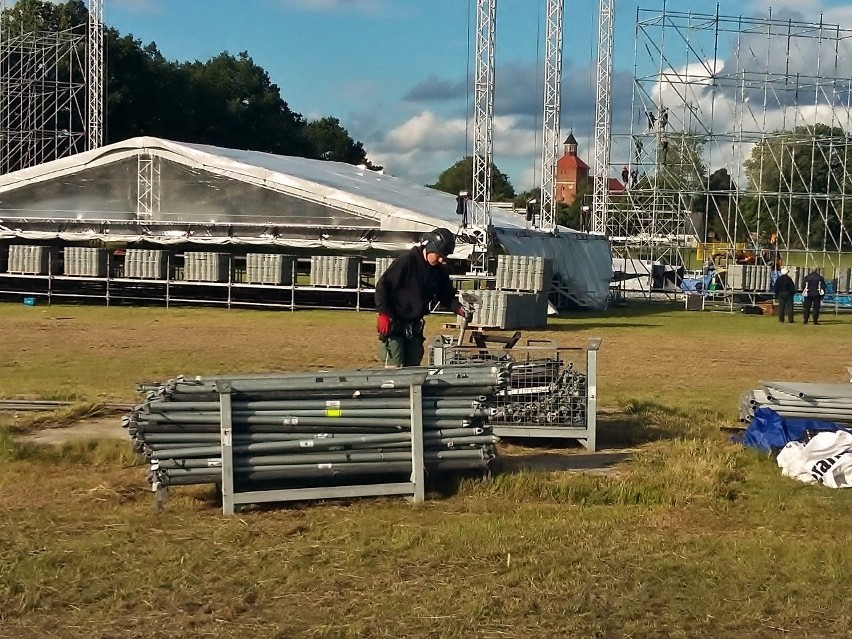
x=769, y=431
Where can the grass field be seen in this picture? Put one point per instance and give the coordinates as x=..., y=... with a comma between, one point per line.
x=693, y=537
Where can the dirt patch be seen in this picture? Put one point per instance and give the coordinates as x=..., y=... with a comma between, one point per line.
x=99, y=428
x=602, y=462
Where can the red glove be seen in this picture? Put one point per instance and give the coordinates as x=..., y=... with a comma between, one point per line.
x=383, y=325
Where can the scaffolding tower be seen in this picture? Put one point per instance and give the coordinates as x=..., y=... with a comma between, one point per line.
x=552, y=101
x=603, y=117
x=739, y=149
x=51, y=89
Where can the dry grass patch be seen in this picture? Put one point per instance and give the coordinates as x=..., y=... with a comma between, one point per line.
x=693, y=537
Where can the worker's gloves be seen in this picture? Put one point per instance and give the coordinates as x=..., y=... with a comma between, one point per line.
x=464, y=314
x=383, y=325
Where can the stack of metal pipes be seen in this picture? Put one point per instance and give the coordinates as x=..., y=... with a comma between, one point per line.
x=314, y=429
x=800, y=400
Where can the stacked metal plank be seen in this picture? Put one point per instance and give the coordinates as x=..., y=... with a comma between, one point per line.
x=756, y=277
x=334, y=271
x=524, y=273
x=204, y=266
x=269, y=268
x=382, y=264
x=520, y=298
x=801, y=400
x=843, y=280
x=145, y=264
x=84, y=261
x=28, y=260
x=319, y=428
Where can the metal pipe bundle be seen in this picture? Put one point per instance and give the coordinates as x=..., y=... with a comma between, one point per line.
x=800, y=400
x=309, y=429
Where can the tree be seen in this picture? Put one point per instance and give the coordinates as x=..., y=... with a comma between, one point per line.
x=328, y=140
x=800, y=177
x=459, y=177
x=40, y=15
x=234, y=104
x=718, y=215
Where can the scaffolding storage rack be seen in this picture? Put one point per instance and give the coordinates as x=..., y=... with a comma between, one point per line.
x=552, y=390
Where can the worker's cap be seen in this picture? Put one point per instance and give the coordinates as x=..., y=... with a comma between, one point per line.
x=441, y=241
x=784, y=271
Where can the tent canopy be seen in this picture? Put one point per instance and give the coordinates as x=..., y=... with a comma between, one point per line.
x=166, y=192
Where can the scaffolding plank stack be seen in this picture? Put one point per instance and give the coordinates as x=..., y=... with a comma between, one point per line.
x=334, y=271
x=145, y=264
x=204, y=266
x=28, y=260
x=269, y=268
x=83, y=261
x=382, y=264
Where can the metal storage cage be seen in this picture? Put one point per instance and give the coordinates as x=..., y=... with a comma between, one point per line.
x=552, y=391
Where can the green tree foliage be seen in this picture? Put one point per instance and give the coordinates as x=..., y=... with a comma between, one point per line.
x=330, y=141
x=459, y=177
x=800, y=175
x=39, y=15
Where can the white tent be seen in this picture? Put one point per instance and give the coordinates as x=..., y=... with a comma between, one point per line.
x=165, y=192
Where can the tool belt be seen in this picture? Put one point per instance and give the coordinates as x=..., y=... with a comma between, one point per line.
x=408, y=329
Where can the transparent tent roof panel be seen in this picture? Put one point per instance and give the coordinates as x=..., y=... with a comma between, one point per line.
x=186, y=195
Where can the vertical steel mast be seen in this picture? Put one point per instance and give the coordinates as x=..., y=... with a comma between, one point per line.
x=95, y=74
x=552, y=99
x=603, y=117
x=483, y=132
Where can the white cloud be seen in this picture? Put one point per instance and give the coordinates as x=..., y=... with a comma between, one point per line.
x=423, y=146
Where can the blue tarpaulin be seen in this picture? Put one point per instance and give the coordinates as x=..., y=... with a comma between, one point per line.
x=769, y=430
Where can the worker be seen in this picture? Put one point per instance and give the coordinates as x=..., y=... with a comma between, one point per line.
x=812, y=295
x=403, y=295
x=625, y=175
x=784, y=290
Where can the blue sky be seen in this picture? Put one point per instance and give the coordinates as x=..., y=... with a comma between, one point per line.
x=395, y=72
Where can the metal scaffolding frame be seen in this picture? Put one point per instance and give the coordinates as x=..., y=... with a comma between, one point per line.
x=95, y=74
x=483, y=129
x=51, y=91
x=552, y=101
x=768, y=101
x=603, y=117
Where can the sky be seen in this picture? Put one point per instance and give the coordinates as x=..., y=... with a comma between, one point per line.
x=398, y=73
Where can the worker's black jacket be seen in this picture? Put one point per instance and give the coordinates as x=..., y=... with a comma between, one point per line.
x=784, y=286
x=814, y=283
x=409, y=284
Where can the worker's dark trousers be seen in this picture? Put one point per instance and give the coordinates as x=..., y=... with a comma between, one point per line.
x=785, y=308
x=811, y=303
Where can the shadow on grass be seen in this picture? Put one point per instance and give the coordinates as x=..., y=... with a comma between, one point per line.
x=619, y=433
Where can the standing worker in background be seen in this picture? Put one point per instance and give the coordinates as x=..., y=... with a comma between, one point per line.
x=785, y=289
x=403, y=294
x=812, y=295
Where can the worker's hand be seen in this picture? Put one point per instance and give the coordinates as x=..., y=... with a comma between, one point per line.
x=383, y=325
x=465, y=314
